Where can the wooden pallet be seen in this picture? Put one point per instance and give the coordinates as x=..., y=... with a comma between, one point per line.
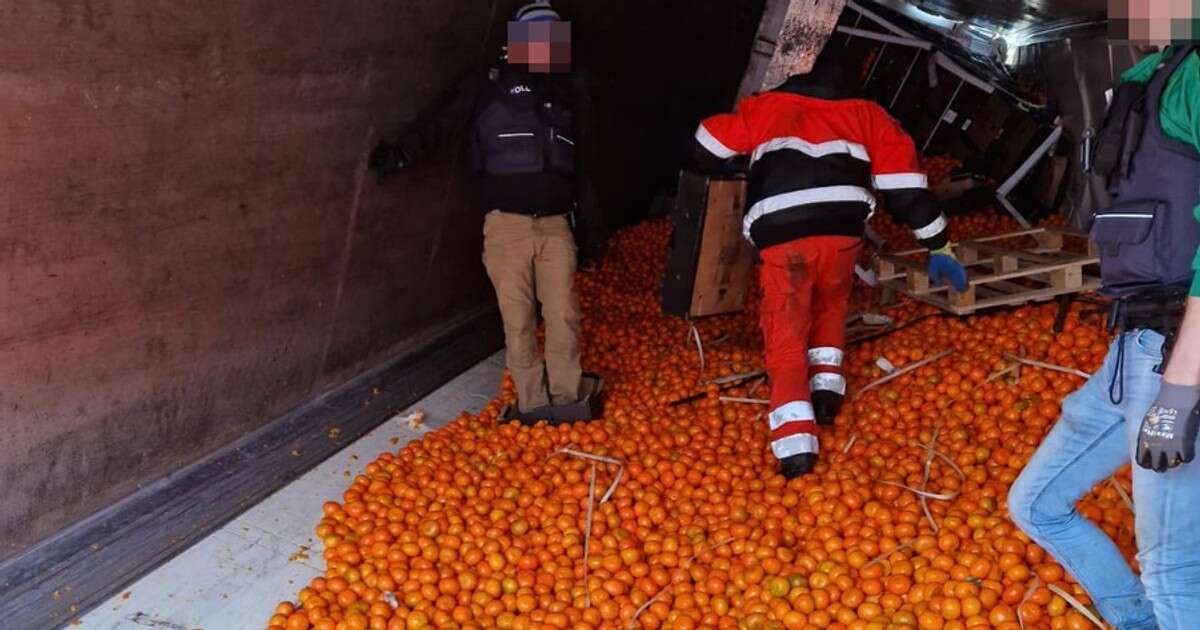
x=999, y=276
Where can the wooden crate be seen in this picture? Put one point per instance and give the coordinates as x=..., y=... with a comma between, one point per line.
x=999, y=275
x=710, y=264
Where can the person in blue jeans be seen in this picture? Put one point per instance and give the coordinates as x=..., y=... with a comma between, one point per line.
x=1141, y=405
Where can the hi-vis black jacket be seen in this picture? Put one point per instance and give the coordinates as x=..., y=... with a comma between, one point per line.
x=814, y=162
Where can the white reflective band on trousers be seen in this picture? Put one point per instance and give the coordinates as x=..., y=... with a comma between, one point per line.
x=826, y=356
x=825, y=382
x=816, y=150
x=900, y=181
x=798, y=444
x=714, y=146
x=797, y=198
x=797, y=410
x=937, y=226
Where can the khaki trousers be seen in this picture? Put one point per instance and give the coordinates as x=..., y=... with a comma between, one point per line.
x=532, y=260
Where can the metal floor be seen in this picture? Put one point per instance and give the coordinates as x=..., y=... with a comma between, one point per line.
x=234, y=578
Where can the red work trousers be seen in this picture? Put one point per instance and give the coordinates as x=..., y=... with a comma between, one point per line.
x=806, y=292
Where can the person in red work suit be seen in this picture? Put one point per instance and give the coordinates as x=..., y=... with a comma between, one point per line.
x=815, y=154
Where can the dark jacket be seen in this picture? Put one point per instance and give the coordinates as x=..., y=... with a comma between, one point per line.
x=530, y=193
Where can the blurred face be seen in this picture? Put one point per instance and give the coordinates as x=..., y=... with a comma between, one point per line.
x=540, y=46
x=1153, y=22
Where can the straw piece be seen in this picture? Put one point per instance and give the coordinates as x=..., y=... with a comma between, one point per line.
x=587, y=535
x=699, y=344
x=597, y=458
x=906, y=370
x=1012, y=367
x=643, y=607
x=613, y=486
x=921, y=493
x=1083, y=610
x=1028, y=593
x=901, y=547
x=747, y=401
x=733, y=378
x=1048, y=366
x=928, y=470
x=1121, y=491
x=850, y=443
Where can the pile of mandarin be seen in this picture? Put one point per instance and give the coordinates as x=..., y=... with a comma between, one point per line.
x=485, y=525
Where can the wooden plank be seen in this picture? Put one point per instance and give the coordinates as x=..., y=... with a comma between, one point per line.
x=68, y=574
x=726, y=259
x=1034, y=296
x=1007, y=235
x=1035, y=256
x=900, y=261
x=1029, y=271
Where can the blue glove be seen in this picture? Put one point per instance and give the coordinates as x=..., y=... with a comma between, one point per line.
x=944, y=267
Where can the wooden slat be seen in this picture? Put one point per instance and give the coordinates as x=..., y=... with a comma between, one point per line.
x=726, y=260
x=1037, y=295
x=1029, y=271
x=1035, y=256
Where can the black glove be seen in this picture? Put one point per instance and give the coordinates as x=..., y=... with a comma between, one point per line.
x=388, y=158
x=1168, y=434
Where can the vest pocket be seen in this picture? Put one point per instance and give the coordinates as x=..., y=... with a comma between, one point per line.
x=1128, y=256
x=560, y=138
x=511, y=151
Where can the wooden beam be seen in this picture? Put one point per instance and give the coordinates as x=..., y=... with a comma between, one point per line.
x=794, y=32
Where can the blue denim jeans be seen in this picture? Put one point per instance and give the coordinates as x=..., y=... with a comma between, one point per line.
x=1093, y=439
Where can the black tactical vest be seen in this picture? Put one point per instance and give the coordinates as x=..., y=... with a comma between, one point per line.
x=1148, y=237
x=524, y=124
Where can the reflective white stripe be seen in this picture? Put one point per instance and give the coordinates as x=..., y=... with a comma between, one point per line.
x=795, y=410
x=805, y=197
x=827, y=356
x=1125, y=215
x=796, y=445
x=714, y=146
x=825, y=382
x=933, y=229
x=564, y=139
x=833, y=147
x=896, y=181
x=524, y=134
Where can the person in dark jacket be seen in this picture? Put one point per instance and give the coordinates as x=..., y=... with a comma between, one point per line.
x=528, y=124
x=816, y=153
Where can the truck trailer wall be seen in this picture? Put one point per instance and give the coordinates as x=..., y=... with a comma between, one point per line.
x=189, y=244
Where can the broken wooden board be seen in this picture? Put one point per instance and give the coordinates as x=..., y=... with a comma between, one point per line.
x=710, y=263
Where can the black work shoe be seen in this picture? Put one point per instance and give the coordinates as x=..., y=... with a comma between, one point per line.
x=826, y=405
x=796, y=465
x=589, y=407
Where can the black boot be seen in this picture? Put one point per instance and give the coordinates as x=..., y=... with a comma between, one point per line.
x=826, y=405
x=796, y=465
